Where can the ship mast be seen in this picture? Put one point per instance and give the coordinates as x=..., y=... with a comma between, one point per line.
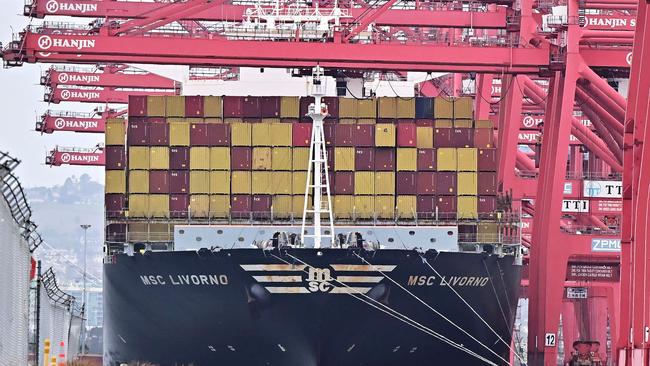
x=320, y=186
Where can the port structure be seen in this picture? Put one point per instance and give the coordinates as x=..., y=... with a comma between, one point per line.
x=555, y=66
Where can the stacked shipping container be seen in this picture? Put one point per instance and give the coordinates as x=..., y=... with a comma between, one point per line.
x=247, y=157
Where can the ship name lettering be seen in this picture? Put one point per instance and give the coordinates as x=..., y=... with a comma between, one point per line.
x=152, y=280
x=464, y=281
x=421, y=280
x=186, y=280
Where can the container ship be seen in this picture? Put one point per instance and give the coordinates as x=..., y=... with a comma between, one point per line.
x=208, y=261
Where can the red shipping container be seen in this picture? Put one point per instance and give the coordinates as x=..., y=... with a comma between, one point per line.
x=116, y=232
x=343, y=183
x=194, y=106
x=199, y=134
x=137, y=134
x=330, y=158
x=114, y=204
x=384, y=159
x=426, y=183
x=261, y=203
x=427, y=160
x=462, y=137
x=232, y=107
x=406, y=135
x=426, y=207
x=329, y=132
x=364, y=158
x=156, y=120
x=483, y=138
x=424, y=122
x=446, y=183
x=487, y=183
x=218, y=134
x=304, y=107
x=442, y=137
x=241, y=158
x=251, y=107
x=343, y=135
x=364, y=135
x=487, y=205
x=179, y=182
x=446, y=206
x=115, y=157
x=240, y=206
x=332, y=107
x=406, y=183
x=270, y=107
x=158, y=181
x=178, y=204
x=138, y=105
x=301, y=134
x=158, y=132
x=179, y=158
x=487, y=160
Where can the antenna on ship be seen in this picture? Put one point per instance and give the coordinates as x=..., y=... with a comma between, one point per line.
x=320, y=184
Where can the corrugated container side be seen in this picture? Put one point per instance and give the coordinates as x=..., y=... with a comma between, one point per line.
x=199, y=181
x=328, y=132
x=115, y=181
x=487, y=160
x=233, y=120
x=363, y=135
x=446, y=206
x=179, y=181
x=138, y=157
x=137, y=105
x=179, y=157
x=407, y=159
x=282, y=206
x=487, y=206
x=467, y=159
x=219, y=158
x=443, y=108
x=447, y=159
x=158, y=131
x=290, y=107
x=367, y=108
x=384, y=135
x=384, y=159
x=199, y=134
x=114, y=204
x=385, y=207
x=138, y=181
x=155, y=106
x=467, y=183
x=219, y=182
x=427, y=160
x=241, y=158
x=115, y=232
x=364, y=207
x=424, y=137
x=219, y=205
x=240, y=206
x=298, y=182
x=115, y=132
x=159, y=157
x=348, y=107
x=344, y=158
x=343, y=206
x=426, y=183
x=364, y=183
x=281, y=158
x=261, y=134
x=406, y=207
x=446, y=183
x=487, y=232
x=251, y=107
x=240, y=182
x=270, y=107
x=175, y=106
x=194, y=106
x=387, y=107
x=199, y=205
x=298, y=204
x=138, y=205
x=138, y=134
x=212, y=107
x=343, y=183
x=115, y=157
x=405, y=107
x=241, y=134
x=199, y=158
x=487, y=183
x=483, y=123
x=443, y=123
x=281, y=134
x=463, y=108
x=467, y=207
x=138, y=231
x=384, y=183
x=406, y=135
x=424, y=122
x=158, y=205
x=483, y=138
x=300, y=158
x=301, y=134
x=343, y=135
x=179, y=134
x=463, y=123
x=366, y=121
x=218, y=134
x=442, y=137
x=178, y=204
x=364, y=158
x=262, y=158
x=423, y=107
x=332, y=107
x=406, y=183
x=281, y=182
x=158, y=181
x=426, y=207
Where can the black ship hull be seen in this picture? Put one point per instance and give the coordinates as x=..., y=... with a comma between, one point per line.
x=304, y=307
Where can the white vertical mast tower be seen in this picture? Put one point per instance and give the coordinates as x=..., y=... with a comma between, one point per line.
x=318, y=167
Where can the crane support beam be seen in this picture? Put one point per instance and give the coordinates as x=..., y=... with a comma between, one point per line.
x=618, y=57
x=107, y=79
x=367, y=18
x=57, y=95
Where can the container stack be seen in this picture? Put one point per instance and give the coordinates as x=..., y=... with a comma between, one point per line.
x=246, y=158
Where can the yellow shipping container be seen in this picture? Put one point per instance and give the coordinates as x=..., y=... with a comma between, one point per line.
x=199, y=158
x=156, y=106
x=484, y=123
x=424, y=137
x=199, y=181
x=115, y=181
x=384, y=183
x=282, y=206
x=161, y=232
x=406, y=207
x=212, y=107
x=159, y=158
x=281, y=159
x=385, y=135
x=240, y=134
x=115, y=132
x=444, y=123
x=467, y=207
x=281, y=134
x=367, y=108
x=271, y=120
x=300, y=158
x=387, y=107
x=443, y=108
x=261, y=183
x=364, y=207
x=175, y=106
x=467, y=184
x=463, y=108
x=261, y=134
x=347, y=121
x=138, y=232
x=138, y=205
x=138, y=157
x=364, y=182
x=233, y=120
x=240, y=182
x=262, y=158
x=405, y=107
x=158, y=205
x=488, y=232
x=467, y=159
x=213, y=120
x=298, y=182
x=298, y=204
x=290, y=107
x=446, y=159
x=463, y=123
x=385, y=207
x=220, y=158
x=366, y=121
x=407, y=159
x=220, y=182
x=348, y=107
x=199, y=205
x=343, y=206
x=281, y=182
x=179, y=134
x=344, y=158
x=219, y=205
x=139, y=181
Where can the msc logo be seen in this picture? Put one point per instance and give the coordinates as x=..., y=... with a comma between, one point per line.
x=65, y=94
x=52, y=6
x=45, y=42
x=65, y=157
x=318, y=279
x=59, y=123
x=63, y=78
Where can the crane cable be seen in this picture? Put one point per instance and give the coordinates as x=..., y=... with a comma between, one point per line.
x=401, y=317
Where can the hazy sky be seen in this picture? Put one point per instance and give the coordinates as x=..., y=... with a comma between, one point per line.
x=21, y=101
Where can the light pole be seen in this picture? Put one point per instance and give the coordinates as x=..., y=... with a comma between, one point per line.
x=85, y=227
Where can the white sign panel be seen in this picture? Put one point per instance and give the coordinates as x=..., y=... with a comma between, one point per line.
x=602, y=189
x=576, y=293
x=550, y=339
x=575, y=206
x=605, y=245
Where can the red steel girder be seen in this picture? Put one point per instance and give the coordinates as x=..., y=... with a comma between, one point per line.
x=367, y=18
x=164, y=14
x=619, y=57
x=106, y=78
